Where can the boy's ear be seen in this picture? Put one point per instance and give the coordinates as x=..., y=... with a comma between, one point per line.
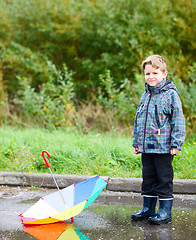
x=165, y=74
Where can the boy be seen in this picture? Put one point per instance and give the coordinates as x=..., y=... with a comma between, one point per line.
x=159, y=132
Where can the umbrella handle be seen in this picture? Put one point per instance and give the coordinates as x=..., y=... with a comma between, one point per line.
x=48, y=166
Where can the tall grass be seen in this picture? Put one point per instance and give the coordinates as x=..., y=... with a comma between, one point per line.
x=72, y=152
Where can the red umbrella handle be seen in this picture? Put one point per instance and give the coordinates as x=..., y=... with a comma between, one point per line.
x=48, y=166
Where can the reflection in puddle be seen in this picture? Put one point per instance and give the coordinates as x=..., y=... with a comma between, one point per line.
x=61, y=230
x=120, y=226
x=154, y=232
x=106, y=222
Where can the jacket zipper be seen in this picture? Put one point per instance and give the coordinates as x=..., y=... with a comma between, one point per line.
x=139, y=111
x=146, y=124
x=157, y=119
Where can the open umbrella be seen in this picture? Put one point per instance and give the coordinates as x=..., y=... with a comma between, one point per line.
x=60, y=231
x=65, y=203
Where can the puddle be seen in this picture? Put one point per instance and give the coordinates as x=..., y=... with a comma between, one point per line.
x=121, y=227
x=104, y=223
x=97, y=222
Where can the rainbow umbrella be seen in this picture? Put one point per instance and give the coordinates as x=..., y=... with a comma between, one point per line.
x=55, y=231
x=64, y=204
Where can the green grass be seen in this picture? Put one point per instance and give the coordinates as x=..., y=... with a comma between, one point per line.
x=74, y=153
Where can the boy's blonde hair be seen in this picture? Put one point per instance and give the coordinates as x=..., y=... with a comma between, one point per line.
x=156, y=61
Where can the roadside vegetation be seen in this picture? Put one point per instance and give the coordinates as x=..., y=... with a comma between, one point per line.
x=77, y=63
x=72, y=152
x=70, y=81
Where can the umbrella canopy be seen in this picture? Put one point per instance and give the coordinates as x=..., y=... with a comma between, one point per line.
x=55, y=231
x=71, y=201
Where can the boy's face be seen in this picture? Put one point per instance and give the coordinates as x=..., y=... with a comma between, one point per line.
x=153, y=75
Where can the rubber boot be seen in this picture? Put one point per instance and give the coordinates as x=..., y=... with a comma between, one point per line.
x=164, y=213
x=149, y=204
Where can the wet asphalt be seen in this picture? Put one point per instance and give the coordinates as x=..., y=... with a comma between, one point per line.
x=103, y=220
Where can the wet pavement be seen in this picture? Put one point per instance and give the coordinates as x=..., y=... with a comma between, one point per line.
x=98, y=222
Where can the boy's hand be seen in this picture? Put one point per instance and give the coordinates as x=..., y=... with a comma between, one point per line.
x=136, y=150
x=174, y=151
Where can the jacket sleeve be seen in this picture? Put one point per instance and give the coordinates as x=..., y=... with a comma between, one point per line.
x=135, y=132
x=178, y=127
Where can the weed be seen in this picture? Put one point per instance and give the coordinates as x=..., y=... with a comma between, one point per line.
x=72, y=152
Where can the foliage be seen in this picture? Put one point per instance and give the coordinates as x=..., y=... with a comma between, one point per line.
x=53, y=104
x=103, y=42
x=187, y=155
x=188, y=97
x=74, y=153
x=21, y=61
x=122, y=100
x=3, y=97
x=92, y=36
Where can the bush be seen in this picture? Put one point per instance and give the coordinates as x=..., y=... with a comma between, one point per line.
x=188, y=97
x=122, y=100
x=53, y=104
x=93, y=36
x=39, y=38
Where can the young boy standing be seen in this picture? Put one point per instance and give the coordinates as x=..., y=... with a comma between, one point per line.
x=159, y=132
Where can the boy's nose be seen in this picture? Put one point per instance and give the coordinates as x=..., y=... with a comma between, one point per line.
x=151, y=75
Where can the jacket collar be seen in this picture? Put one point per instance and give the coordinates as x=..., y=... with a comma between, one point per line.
x=158, y=88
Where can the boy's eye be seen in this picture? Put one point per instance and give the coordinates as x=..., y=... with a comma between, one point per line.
x=154, y=73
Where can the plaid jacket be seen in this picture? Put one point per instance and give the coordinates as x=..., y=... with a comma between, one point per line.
x=159, y=122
